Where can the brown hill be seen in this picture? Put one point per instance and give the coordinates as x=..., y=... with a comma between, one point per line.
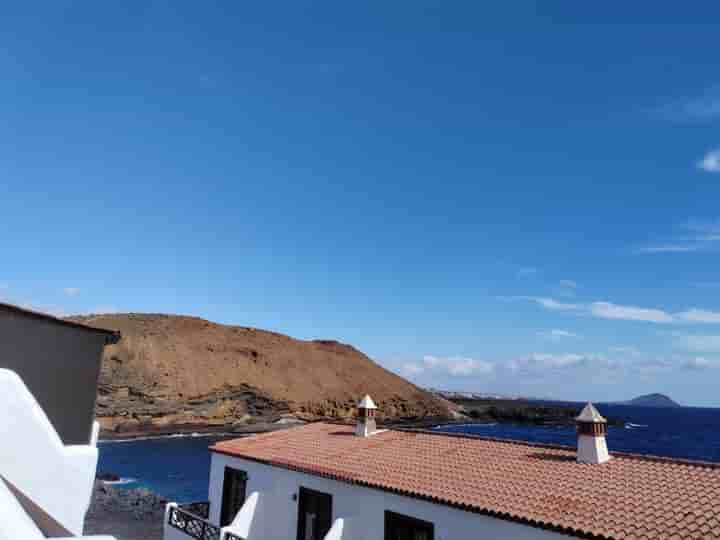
x=174, y=373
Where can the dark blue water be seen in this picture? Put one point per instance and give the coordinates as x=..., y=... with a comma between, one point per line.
x=178, y=467
x=174, y=467
x=687, y=432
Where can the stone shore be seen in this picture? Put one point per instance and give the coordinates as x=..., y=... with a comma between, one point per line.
x=126, y=514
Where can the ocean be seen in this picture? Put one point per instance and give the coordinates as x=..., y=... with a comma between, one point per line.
x=178, y=467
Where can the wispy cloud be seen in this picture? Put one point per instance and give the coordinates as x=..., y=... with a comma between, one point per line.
x=669, y=248
x=551, y=304
x=71, y=291
x=696, y=236
x=711, y=161
x=456, y=366
x=610, y=310
x=699, y=316
x=703, y=107
x=699, y=364
x=628, y=350
x=557, y=334
x=568, y=366
x=698, y=342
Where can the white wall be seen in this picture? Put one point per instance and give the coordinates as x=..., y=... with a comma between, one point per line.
x=363, y=508
x=56, y=477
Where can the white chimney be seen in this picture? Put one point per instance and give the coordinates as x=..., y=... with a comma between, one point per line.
x=366, y=417
x=591, y=428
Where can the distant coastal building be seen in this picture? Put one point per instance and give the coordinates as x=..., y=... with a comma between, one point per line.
x=48, y=454
x=326, y=481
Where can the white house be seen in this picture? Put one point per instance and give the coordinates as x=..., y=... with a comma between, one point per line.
x=46, y=483
x=340, y=482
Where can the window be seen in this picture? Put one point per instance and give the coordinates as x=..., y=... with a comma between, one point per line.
x=233, y=497
x=400, y=527
x=314, y=514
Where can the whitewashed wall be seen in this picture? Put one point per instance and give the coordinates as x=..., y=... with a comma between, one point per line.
x=363, y=508
x=56, y=477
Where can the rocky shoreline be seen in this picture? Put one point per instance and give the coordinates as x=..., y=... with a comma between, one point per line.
x=126, y=514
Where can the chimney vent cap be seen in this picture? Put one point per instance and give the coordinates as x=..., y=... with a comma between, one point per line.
x=366, y=403
x=591, y=415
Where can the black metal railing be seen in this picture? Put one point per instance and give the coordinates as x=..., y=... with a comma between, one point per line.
x=200, y=509
x=193, y=525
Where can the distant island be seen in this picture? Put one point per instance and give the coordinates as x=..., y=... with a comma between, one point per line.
x=652, y=400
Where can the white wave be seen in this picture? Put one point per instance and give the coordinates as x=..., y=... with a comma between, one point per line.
x=445, y=426
x=170, y=436
x=630, y=425
x=120, y=482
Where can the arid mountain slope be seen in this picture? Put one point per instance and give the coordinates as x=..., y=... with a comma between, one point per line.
x=175, y=373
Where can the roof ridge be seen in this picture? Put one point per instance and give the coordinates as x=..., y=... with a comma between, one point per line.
x=532, y=444
x=113, y=336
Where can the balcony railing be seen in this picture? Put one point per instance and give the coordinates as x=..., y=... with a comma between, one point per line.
x=200, y=509
x=193, y=524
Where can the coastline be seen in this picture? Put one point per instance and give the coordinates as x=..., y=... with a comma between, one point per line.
x=193, y=430
x=125, y=513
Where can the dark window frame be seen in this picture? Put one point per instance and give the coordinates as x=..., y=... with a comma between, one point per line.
x=394, y=517
x=225, y=517
x=312, y=492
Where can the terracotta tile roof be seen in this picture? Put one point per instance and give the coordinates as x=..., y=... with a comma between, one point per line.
x=629, y=497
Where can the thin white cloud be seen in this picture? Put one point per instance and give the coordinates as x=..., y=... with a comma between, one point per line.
x=698, y=342
x=608, y=310
x=704, y=107
x=553, y=305
x=538, y=366
x=700, y=316
x=699, y=364
x=669, y=248
x=456, y=366
x=696, y=236
x=711, y=161
x=71, y=291
x=557, y=334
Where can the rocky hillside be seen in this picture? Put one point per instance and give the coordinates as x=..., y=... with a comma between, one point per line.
x=174, y=373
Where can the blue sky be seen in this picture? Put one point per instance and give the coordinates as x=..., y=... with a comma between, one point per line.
x=516, y=198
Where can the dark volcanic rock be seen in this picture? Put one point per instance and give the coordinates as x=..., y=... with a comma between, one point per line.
x=127, y=514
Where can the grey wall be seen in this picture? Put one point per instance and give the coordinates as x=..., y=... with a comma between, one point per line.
x=59, y=364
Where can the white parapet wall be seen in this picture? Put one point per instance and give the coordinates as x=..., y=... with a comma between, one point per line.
x=337, y=530
x=242, y=525
x=57, y=478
